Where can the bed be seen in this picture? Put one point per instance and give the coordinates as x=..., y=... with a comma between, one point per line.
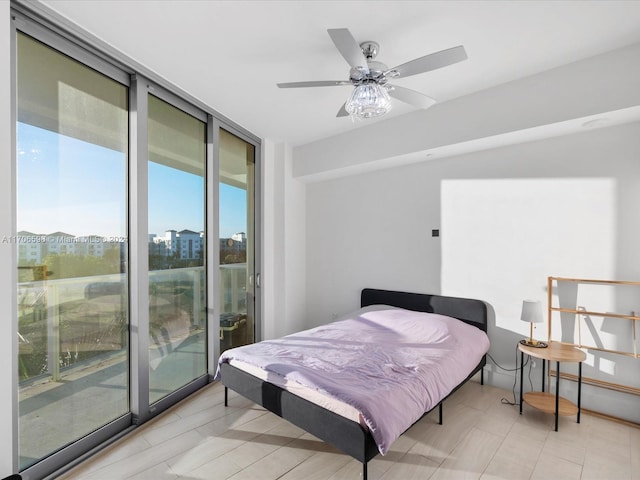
x=357, y=437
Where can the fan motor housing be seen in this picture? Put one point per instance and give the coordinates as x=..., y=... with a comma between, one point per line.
x=376, y=73
x=370, y=49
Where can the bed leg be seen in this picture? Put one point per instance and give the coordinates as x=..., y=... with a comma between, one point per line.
x=482, y=376
x=440, y=413
x=364, y=470
x=226, y=397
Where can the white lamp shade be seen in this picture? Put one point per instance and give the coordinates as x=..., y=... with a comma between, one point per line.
x=532, y=311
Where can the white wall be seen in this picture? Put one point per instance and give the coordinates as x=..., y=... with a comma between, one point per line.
x=519, y=185
x=294, y=240
x=272, y=279
x=283, y=273
x=509, y=217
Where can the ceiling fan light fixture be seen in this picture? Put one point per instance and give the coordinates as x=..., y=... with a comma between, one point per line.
x=368, y=100
x=371, y=95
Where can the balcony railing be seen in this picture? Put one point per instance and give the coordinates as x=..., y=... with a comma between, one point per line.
x=69, y=322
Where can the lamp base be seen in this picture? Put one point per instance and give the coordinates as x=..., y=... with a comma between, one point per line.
x=534, y=343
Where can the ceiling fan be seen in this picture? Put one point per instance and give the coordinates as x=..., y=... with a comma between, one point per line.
x=372, y=92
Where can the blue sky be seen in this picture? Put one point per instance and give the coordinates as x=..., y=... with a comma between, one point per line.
x=68, y=185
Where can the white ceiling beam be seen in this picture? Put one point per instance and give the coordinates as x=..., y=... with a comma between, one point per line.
x=555, y=102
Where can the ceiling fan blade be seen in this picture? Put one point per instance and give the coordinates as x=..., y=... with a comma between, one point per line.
x=411, y=97
x=319, y=83
x=349, y=48
x=343, y=111
x=431, y=62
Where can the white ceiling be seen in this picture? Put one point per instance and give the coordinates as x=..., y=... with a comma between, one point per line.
x=231, y=54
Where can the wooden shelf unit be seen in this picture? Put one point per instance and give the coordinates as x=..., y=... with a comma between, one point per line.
x=579, y=312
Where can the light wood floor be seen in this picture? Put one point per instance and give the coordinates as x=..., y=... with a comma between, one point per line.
x=481, y=439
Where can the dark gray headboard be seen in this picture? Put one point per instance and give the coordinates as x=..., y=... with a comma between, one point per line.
x=473, y=312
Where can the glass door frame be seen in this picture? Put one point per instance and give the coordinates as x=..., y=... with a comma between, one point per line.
x=213, y=245
x=141, y=88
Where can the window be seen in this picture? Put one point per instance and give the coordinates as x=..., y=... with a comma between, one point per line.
x=177, y=281
x=72, y=307
x=237, y=254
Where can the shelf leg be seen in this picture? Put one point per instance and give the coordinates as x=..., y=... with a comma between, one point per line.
x=543, y=372
x=557, y=392
x=521, y=378
x=579, y=387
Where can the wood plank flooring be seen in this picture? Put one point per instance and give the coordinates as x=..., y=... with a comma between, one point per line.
x=481, y=438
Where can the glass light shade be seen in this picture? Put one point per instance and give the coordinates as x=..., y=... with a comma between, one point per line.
x=368, y=100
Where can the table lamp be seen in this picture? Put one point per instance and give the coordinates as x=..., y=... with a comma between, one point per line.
x=532, y=313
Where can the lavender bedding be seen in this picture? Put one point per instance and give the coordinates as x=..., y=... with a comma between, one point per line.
x=390, y=364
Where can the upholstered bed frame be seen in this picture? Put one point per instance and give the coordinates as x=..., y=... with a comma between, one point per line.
x=346, y=435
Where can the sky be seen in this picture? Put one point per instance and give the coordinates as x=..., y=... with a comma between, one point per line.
x=72, y=186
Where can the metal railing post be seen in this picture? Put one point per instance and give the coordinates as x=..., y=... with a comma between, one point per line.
x=197, y=320
x=53, y=332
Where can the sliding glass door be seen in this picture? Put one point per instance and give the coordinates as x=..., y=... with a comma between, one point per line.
x=116, y=186
x=237, y=241
x=73, y=326
x=177, y=286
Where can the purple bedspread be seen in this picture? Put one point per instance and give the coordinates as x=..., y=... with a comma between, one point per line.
x=391, y=364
